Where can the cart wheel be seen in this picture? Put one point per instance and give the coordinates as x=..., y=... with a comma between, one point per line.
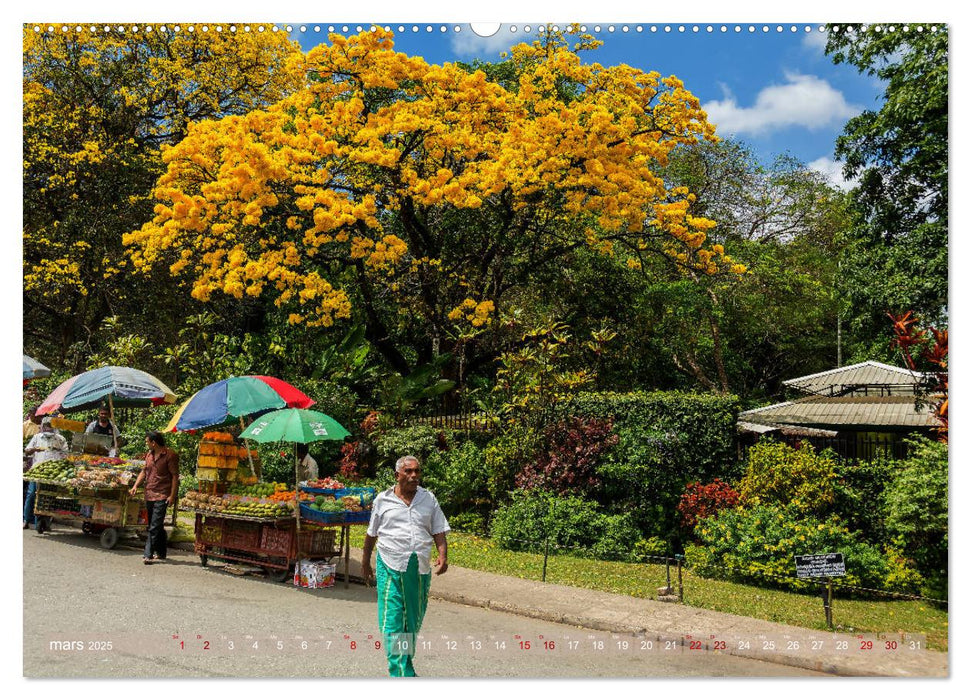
x=109, y=538
x=278, y=575
x=42, y=524
x=204, y=559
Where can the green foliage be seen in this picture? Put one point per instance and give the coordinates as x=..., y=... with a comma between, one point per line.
x=917, y=511
x=778, y=474
x=539, y=375
x=505, y=456
x=757, y=545
x=459, y=480
x=418, y=440
x=896, y=254
x=572, y=525
x=859, y=496
x=666, y=439
x=532, y=517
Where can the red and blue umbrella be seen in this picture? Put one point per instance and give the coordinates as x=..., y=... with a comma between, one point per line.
x=122, y=386
x=230, y=399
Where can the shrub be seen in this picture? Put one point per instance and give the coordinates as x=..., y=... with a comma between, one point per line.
x=459, y=479
x=418, y=440
x=524, y=524
x=701, y=501
x=505, y=456
x=917, y=511
x=703, y=424
x=574, y=525
x=567, y=461
x=757, y=545
x=617, y=539
x=778, y=474
x=860, y=494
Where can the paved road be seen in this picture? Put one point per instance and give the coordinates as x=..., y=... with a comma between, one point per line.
x=178, y=619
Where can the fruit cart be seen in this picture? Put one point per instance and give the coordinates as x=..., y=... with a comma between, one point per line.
x=274, y=544
x=90, y=496
x=244, y=526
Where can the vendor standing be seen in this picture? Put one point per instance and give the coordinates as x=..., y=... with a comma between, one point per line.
x=306, y=465
x=46, y=445
x=103, y=425
x=161, y=478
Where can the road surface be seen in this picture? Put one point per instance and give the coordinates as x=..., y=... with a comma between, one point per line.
x=96, y=613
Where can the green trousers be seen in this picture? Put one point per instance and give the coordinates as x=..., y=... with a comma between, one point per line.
x=402, y=600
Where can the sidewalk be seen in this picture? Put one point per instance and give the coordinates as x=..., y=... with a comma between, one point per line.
x=608, y=612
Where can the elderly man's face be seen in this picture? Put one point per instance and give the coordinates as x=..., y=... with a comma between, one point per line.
x=409, y=474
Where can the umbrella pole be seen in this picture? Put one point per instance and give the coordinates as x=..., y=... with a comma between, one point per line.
x=249, y=454
x=111, y=416
x=296, y=486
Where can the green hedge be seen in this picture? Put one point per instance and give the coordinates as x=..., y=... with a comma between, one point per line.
x=667, y=439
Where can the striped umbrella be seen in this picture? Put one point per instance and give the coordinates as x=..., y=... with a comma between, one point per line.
x=121, y=386
x=231, y=399
x=34, y=369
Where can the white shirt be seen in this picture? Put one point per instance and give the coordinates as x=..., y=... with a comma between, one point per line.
x=309, y=468
x=51, y=445
x=402, y=530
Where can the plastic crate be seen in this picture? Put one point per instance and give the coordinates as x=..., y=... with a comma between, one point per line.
x=363, y=516
x=324, y=492
x=316, y=516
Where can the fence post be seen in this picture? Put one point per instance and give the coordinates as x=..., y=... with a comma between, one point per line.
x=680, y=558
x=546, y=555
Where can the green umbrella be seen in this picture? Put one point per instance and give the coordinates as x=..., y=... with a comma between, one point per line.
x=294, y=425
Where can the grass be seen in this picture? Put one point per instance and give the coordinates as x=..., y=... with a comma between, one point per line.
x=643, y=580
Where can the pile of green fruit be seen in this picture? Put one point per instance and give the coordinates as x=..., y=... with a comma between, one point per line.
x=325, y=504
x=258, y=490
x=254, y=509
x=53, y=470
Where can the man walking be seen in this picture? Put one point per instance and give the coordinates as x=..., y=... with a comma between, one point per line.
x=161, y=477
x=405, y=521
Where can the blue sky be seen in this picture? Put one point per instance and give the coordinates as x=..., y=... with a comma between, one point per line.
x=775, y=90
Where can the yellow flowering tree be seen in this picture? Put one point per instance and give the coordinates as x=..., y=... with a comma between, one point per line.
x=99, y=103
x=423, y=196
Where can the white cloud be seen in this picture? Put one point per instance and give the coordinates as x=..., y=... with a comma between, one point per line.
x=832, y=170
x=804, y=101
x=815, y=41
x=468, y=44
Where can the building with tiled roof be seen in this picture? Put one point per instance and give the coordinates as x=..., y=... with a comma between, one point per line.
x=862, y=411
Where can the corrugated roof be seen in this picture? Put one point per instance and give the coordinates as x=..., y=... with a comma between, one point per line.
x=846, y=411
x=895, y=380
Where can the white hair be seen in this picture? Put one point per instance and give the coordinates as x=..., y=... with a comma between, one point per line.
x=404, y=460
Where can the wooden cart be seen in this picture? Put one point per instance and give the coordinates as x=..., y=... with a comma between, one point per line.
x=107, y=513
x=275, y=544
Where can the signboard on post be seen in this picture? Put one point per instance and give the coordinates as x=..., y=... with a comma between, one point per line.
x=820, y=565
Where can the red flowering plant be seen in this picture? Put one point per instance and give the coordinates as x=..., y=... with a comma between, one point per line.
x=701, y=501
x=573, y=450
x=912, y=341
x=348, y=464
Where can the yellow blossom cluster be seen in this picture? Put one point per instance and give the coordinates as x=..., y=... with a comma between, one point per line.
x=478, y=313
x=355, y=165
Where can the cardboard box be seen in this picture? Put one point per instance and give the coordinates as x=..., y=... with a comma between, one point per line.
x=314, y=574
